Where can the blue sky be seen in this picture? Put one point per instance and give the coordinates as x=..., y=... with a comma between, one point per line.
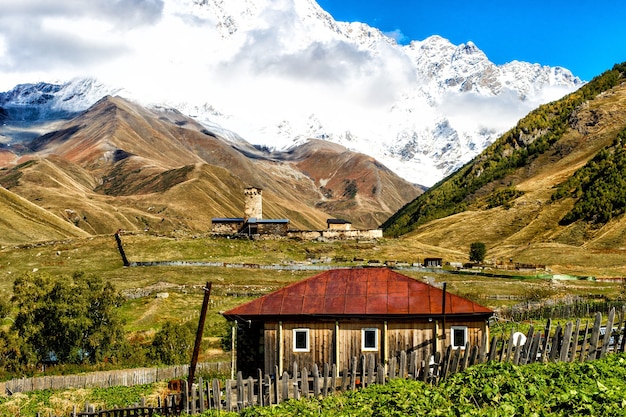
x=587, y=37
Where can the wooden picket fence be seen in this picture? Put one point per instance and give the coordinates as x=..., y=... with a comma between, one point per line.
x=106, y=379
x=568, y=343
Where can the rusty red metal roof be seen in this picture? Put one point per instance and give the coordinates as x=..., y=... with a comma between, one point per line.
x=357, y=292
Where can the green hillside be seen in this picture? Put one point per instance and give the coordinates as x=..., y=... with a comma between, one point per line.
x=482, y=183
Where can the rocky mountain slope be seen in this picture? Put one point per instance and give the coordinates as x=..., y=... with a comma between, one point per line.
x=119, y=165
x=550, y=188
x=281, y=73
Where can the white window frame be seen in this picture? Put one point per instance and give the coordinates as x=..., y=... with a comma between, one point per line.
x=308, y=340
x=453, y=340
x=367, y=348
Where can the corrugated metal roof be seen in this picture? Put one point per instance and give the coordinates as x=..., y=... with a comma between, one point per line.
x=254, y=220
x=357, y=292
x=227, y=219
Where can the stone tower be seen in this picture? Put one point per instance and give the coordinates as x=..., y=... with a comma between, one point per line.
x=253, y=203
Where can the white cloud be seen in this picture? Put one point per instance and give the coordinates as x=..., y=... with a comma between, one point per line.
x=471, y=112
x=397, y=35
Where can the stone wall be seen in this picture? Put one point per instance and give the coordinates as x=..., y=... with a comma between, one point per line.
x=229, y=228
x=335, y=234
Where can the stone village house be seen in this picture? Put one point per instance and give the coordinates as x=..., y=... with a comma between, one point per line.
x=344, y=313
x=253, y=224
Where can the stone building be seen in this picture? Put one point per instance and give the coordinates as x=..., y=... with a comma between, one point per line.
x=252, y=222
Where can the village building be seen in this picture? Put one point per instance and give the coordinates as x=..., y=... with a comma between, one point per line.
x=252, y=222
x=345, y=313
x=338, y=224
x=433, y=262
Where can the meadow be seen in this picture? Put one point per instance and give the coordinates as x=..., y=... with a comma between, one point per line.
x=144, y=312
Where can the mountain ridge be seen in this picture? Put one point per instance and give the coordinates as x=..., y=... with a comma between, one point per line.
x=422, y=109
x=118, y=165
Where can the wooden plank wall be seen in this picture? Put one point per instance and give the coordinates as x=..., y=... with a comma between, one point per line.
x=340, y=348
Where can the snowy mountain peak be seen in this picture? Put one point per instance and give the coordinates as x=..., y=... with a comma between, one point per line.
x=278, y=72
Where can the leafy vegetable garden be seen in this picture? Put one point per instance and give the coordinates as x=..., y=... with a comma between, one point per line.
x=493, y=389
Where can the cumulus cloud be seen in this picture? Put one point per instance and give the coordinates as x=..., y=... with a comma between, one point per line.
x=68, y=37
x=471, y=112
x=123, y=13
x=397, y=35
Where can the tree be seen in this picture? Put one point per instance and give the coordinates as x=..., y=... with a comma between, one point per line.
x=173, y=344
x=477, y=252
x=67, y=319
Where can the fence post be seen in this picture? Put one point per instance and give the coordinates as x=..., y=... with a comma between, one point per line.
x=456, y=360
x=402, y=372
x=565, y=344
x=296, y=390
x=304, y=377
x=268, y=385
x=371, y=368
x=184, y=397
x=201, y=394
x=345, y=379
x=619, y=340
x=285, y=387
x=217, y=394
x=509, y=350
x=465, y=360
x=583, y=348
x=446, y=360
x=392, y=368
x=608, y=334
x=276, y=392
x=326, y=379
x=595, y=337
x=575, y=335
x=413, y=364
x=193, y=399
x=229, y=395
x=554, y=348
x=353, y=365
x=546, y=336
x=240, y=393
x=251, y=391
x=316, y=381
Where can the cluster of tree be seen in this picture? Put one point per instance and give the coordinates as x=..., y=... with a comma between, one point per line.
x=75, y=320
x=503, y=197
x=599, y=187
x=532, y=136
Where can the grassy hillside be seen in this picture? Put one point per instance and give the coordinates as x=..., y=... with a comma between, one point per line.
x=20, y=220
x=491, y=178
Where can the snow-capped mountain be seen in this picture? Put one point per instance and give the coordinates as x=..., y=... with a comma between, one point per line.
x=277, y=72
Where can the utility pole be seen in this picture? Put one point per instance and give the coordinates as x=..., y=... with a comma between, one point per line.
x=196, y=347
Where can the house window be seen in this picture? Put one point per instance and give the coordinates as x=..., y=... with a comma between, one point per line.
x=459, y=336
x=301, y=340
x=369, y=339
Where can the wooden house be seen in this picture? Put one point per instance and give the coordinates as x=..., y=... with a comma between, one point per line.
x=344, y=313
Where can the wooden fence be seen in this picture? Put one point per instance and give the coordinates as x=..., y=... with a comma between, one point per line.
x=568, y=343
x=105, y=379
